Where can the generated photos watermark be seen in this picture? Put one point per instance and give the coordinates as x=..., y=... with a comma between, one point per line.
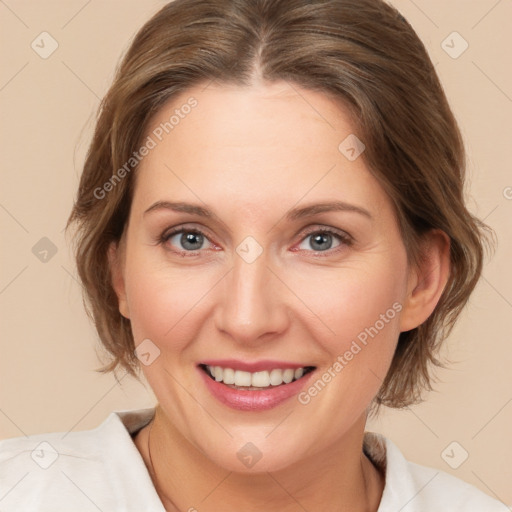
x=150, y=143
x=344, y=359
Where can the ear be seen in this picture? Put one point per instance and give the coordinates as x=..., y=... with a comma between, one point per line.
x=426, y=280
x=116, y=264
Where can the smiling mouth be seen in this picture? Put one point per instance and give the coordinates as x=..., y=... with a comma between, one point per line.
x=255, y=381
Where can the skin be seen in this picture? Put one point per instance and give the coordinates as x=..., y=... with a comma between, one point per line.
x=250, y=155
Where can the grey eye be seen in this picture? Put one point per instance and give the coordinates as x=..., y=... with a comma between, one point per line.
x=188, y=240
x=319, y=241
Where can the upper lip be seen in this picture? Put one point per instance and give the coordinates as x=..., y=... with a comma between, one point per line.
x=253, y=366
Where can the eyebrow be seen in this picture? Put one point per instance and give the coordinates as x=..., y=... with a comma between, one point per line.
x=295, y=214
x=332, y=206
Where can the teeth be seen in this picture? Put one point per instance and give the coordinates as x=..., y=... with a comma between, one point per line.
x=262, y=379
x=217, y=373
x=276, y=377
x=241, y=378
x=228, y=376
x=288, y=376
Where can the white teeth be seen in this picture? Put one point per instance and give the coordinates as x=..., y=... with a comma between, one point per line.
x=276, y=377
x=262, y=379
x=288, y=376
x=218, y=373
x=242, y=378
x=228, y=376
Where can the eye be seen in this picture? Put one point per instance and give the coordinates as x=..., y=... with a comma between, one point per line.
x=186, y=240
x=323, y=240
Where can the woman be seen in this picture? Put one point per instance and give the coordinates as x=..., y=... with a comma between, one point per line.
x=271, y=226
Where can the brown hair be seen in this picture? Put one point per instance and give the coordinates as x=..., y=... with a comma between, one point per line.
x=360, y=52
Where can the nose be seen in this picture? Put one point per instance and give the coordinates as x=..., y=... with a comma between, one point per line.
x=251, y=305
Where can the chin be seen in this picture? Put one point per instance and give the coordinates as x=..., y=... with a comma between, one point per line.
x=249, y=459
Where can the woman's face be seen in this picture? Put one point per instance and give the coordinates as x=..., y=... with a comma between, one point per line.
x=281, y=252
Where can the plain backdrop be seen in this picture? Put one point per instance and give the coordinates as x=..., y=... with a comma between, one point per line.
x=49, y=347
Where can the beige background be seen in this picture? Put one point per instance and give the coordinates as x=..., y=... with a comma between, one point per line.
x=47, y=382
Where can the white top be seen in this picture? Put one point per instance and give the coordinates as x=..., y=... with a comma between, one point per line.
x=102, y=469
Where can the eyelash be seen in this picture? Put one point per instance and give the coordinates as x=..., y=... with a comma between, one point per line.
x=344, y=238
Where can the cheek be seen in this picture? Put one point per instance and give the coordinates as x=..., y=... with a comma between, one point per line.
x=163, y=302
x=352, y=301
x=360, y=313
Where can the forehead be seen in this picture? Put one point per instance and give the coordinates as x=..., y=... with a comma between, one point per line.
x=275, y=117
x=268, y=142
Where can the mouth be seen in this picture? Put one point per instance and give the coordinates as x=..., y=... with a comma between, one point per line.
x=255, y=381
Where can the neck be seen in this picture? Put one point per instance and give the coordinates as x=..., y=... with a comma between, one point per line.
x=340, y=478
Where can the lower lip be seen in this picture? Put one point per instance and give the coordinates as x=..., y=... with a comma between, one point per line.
x=254, y=400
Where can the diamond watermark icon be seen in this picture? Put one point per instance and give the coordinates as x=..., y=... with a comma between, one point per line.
x=147, y=352
x=249, y=249
x=44, y=455
x=351, y=147
x=454, y=45
x=44, y=45
x=44, y=250
x=454, y=455
x=249, y=455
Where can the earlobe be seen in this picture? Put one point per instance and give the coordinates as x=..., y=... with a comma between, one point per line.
x=117, y=275
x=427, y=280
